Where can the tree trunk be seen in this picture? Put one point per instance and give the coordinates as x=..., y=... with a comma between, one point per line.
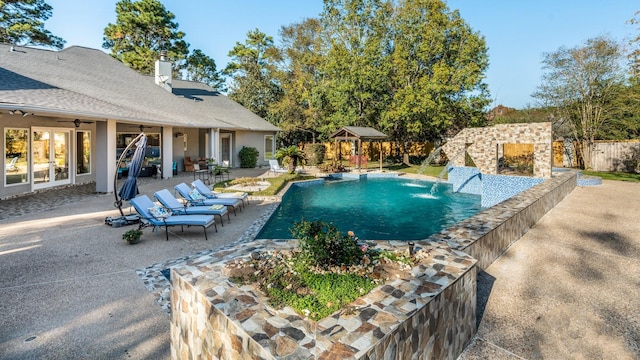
x=587, y=152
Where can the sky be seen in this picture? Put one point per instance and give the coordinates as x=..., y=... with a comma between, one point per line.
x=517, y=32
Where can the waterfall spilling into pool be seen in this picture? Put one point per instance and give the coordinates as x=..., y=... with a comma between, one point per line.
x=385, y=208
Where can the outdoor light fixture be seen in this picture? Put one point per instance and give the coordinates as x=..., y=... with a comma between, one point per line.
x=179, y=134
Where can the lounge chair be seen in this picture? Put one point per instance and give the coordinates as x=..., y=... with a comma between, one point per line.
x=210, y=194
x=188, y=164
x=194, y=197
x=275, y=167
x=11, y=165
x=166, y=198
x=146, y=208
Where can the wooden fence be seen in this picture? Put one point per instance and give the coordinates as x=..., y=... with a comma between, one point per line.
x=608, y=155
x=616, y=156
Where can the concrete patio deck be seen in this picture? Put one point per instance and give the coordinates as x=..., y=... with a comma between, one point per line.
x=570, y=288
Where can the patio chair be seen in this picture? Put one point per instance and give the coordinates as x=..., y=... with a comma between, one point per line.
x=193, y=197
x=154, y=215
x=11, y=165
x=177, y=208
x=275, y=167
x=188, y=164
x=225, y=170
x=210, y=194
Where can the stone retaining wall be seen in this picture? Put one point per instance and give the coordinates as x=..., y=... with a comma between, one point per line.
x=489, y=233
x=429, y=313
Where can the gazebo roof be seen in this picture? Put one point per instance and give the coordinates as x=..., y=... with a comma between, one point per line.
x=357, y=132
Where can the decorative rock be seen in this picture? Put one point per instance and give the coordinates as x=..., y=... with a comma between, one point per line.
x=285, y=346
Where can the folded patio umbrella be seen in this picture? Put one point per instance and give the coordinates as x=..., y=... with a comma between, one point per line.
x=129, y=188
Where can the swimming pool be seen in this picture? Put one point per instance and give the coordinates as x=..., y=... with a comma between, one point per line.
x=375, y=208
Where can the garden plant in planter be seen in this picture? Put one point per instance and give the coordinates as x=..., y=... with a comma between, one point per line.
x=327, y=271
x=132, y=236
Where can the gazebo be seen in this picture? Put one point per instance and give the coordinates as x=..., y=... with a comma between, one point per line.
x=359, y=134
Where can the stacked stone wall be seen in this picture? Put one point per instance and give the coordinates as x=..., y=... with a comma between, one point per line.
x=482, y=145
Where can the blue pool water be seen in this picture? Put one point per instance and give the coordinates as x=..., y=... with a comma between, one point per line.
x=375, y=209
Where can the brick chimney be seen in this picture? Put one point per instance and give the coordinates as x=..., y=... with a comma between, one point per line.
x=163, y=71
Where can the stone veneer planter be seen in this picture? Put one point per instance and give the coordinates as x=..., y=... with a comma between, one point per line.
x=431, y=315
x=428, y=315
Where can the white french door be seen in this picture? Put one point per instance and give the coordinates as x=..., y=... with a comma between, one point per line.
x=50, y=148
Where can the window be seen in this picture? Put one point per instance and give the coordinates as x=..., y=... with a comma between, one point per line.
x=151, y=156
x=269, y=147
x=83, y=152
x=16, y=156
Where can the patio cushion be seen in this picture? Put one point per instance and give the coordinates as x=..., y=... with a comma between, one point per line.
x=196, y=195
x=159, y=212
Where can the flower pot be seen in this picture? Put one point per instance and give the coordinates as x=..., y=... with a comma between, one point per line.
x=132, y=236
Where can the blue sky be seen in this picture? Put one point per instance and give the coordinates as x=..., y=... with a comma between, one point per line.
x=517, y=32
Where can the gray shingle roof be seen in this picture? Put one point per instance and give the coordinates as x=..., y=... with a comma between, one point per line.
x=363, y=133
x=79, y=81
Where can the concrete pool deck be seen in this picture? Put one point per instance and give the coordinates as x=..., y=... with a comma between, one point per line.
x=69, y=280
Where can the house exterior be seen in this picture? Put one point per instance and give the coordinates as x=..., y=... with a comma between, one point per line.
x=67, y=115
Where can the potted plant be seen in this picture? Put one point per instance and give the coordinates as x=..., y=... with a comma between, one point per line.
x=132, y=236
x=291, y=156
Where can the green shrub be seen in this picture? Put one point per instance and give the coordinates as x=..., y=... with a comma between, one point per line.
x=325, y=245
x=248, y=157
x=291, y=156
x=316, y=153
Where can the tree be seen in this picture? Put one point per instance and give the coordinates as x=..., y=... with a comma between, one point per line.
x=438, y=71
x=22, y=23
x=291, y=156
x=581, y=83
x=254, y=73
x=297, y=112
x=202, y=68
x=634, y=55
x=355, y=88
x=624, y=119
x=142, y=29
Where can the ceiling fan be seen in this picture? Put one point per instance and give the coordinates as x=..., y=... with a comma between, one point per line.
x=142, y=127
x=77, y=122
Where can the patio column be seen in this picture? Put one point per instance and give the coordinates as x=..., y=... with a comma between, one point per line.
x=105, y=156
x=359, y=159
x=380, y=155
x=167, y=152
x=214, y=136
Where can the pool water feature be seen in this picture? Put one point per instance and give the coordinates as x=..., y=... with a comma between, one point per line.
x=374, y=208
